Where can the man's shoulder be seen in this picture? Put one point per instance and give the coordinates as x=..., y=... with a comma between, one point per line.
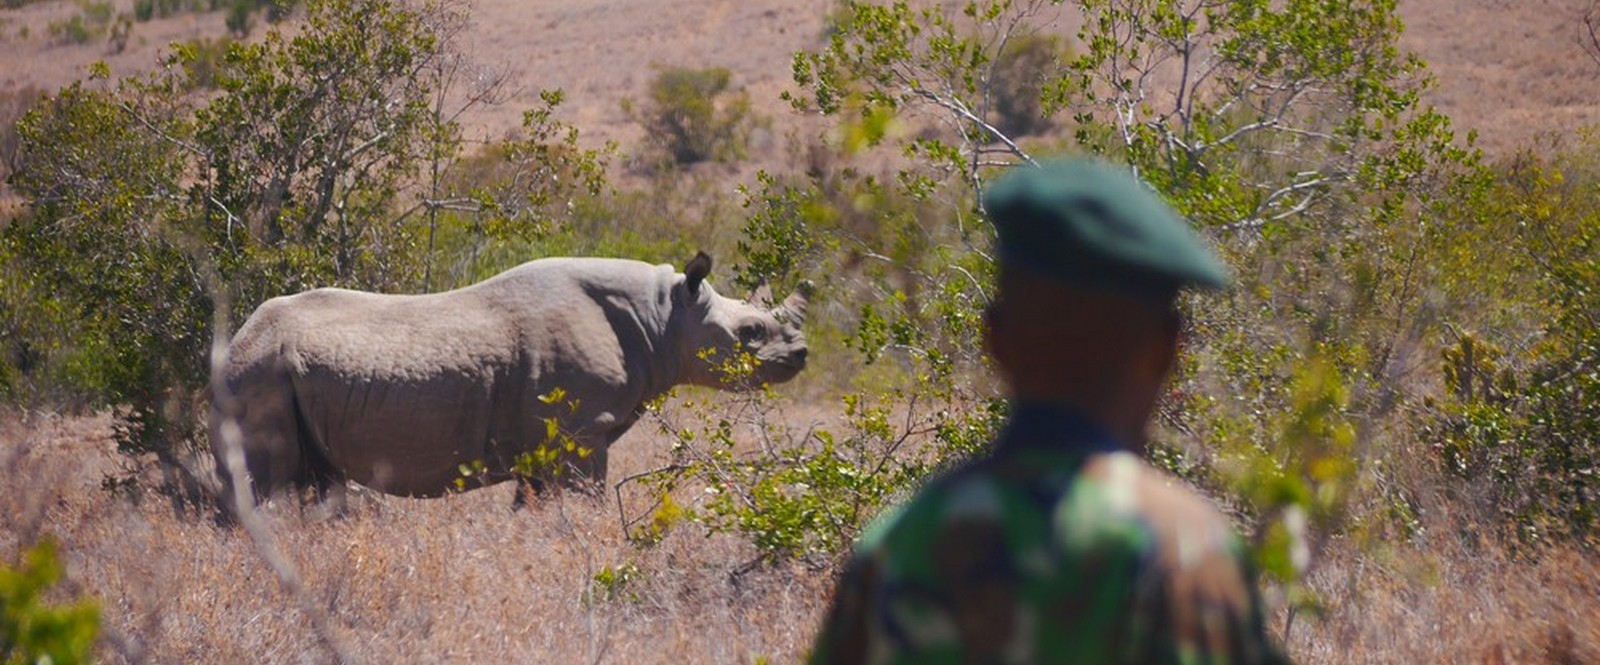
x=1104, y=546
x=1136, y=489
x=1117, y=501
x=1108, y=498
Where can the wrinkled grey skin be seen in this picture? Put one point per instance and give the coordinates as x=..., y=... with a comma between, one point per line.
x=396, y=392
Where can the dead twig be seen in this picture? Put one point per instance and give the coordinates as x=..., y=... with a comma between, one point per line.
x=240, y=498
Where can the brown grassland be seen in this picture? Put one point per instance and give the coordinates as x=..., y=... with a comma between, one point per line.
x=467, y=579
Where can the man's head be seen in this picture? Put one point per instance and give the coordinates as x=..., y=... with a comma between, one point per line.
x=1091, y=261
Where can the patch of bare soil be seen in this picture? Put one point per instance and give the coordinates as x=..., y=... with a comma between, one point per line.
x=32, y=59
x=600, y=51
x=1510, y=69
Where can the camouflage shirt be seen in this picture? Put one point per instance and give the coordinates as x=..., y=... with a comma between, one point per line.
x=1058, y=548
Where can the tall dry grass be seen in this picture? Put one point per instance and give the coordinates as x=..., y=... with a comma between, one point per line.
x=465, y=578
x=1453, y=601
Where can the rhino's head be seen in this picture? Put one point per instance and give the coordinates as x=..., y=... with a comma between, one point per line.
x=720, y=331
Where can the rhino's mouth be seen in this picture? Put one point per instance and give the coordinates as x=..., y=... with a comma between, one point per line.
x=786, y=363
x=795, y=362
x=779, y=370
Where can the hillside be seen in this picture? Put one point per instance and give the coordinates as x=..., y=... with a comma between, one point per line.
x=1510, y=70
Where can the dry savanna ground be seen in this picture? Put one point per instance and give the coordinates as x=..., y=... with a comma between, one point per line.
x=465, y=578
x=1510, y=70
x=459, y=579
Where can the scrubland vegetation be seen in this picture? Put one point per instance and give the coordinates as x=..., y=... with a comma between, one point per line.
x=1399, y=402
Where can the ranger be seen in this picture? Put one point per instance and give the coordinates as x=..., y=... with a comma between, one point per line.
x=1062, y=545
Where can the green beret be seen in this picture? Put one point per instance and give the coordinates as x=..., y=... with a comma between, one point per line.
x=1095, y=225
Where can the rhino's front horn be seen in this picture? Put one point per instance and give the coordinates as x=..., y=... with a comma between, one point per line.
x=793, y=308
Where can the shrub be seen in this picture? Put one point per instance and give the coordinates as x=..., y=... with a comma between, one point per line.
x=692, y=117
x=74, y=30
x=100, y=267
x=204, y=60
x=14, y=104
x=1022, y=69
x=741, y=466
x=239, y=21
x=93, y=21
x=32, y=631
x=1519, y=407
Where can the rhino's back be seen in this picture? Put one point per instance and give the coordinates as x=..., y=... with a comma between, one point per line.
x=563, y=282
x=376, y=337
x=552, y=315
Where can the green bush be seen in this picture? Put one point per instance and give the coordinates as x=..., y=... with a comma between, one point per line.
x=1021, y=70
x=692, y=117
x=73, y=30
x=239, y=21
x=93, y=21
x=100, y=271
x=32, y=631
x=1519, y=405
x=802, y=495
x=204, y=60
x=14, y=104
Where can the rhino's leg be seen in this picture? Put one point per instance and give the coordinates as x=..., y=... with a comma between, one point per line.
x=327, y=485
x=588, y=473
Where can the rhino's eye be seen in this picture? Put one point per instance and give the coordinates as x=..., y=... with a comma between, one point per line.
x=749, y=332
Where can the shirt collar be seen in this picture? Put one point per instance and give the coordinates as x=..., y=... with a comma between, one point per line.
x=1044, y=425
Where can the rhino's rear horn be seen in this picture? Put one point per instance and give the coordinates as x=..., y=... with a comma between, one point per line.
x=762, y=296
x=793, y=308
x=696, y=272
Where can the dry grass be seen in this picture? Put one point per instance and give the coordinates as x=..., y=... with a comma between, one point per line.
x=1452, y=601
x=462, y=578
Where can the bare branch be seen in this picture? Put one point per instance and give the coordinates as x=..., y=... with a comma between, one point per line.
x=226, y=412
x=956, y=106
x=1257, y=220
x=1591, y=26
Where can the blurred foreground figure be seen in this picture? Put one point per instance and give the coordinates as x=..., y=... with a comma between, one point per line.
x=1063, y=546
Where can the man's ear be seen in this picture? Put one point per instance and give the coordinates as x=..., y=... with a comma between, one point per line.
x=1169, y=336
x=993, y=336
x=696, y=272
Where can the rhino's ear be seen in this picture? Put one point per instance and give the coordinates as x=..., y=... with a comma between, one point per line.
x=696, y=272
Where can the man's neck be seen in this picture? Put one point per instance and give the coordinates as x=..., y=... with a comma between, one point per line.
x=1104, y=409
